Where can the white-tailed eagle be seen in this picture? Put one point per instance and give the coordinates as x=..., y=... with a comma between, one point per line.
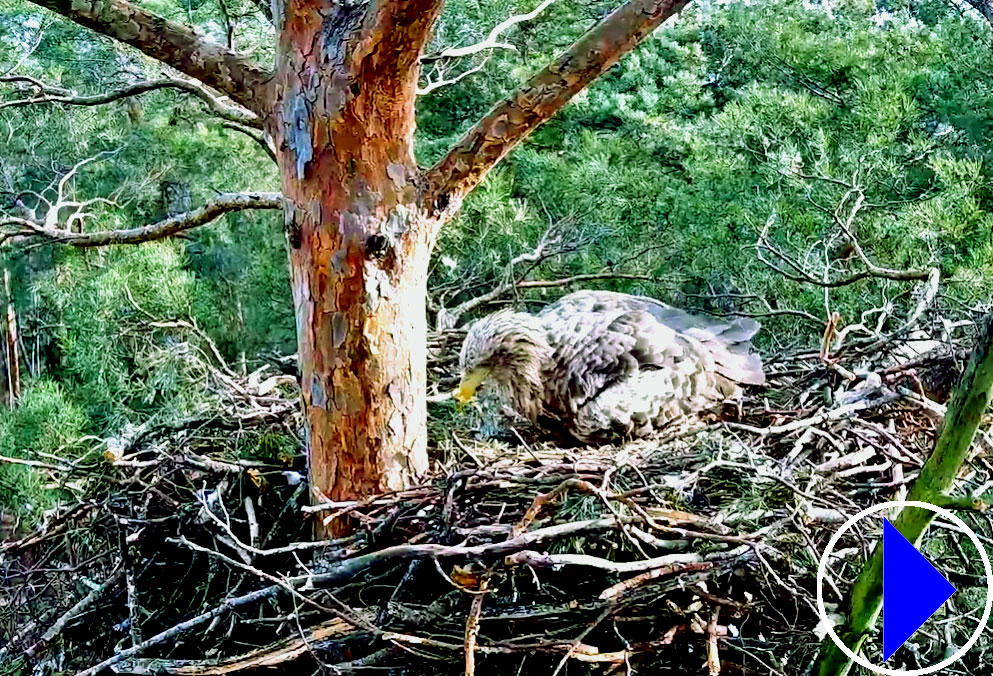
x=604, y=366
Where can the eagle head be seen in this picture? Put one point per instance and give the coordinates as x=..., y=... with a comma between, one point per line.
x=509, y=350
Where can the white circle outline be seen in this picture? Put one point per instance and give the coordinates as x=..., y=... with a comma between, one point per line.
x=822, y=572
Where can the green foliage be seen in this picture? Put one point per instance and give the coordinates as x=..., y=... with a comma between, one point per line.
x=89, y=314
x=46, y=421
x=114, y=367
x=736, y=115
x=266, y=445
x=669, y=166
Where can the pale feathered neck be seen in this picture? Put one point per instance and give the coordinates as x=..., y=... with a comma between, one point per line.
x=517, y=350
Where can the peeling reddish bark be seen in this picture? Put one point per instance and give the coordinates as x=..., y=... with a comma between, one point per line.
x=359, y=250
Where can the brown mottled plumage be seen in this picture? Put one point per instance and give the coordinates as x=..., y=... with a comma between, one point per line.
x=603, y=366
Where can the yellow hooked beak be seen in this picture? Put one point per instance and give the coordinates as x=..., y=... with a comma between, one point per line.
x=470, y=383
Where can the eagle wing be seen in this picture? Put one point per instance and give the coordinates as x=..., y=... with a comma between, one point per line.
x=622, y=372
x=729, y=342
x=596, y=350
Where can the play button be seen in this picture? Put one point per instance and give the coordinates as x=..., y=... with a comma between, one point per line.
x=913, y=589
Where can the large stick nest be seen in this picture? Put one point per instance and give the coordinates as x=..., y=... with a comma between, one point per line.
x=694, y=553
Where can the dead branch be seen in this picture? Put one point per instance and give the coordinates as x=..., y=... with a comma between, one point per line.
x=344, y=570
x=20, y=229
x=280, y=652
x=845, y=223
x=632, y=583
x=80, y=607
x=256, y=135
x=843, y=215
x=48, y=94
x=537, y=560
x=491, y=39
x=181, y=628
x=851, y=205
x=472, y=628
x=576, y=279
x=62, y=210
x=557, y=240
x=442, y=80
x=797, y=272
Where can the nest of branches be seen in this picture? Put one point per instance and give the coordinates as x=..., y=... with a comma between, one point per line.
x=692, y=553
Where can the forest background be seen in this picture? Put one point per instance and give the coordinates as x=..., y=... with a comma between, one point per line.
x=733, y=125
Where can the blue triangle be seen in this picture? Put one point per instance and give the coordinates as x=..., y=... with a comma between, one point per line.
x=913, y=590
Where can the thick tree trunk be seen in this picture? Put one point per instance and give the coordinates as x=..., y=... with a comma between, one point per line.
x=361, y=331
x=359, y=245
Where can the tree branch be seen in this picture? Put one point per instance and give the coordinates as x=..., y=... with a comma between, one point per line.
x=443, y=81
x=489, y=43
x=984, y=7
x=23, y=228
x=511, y=120
x=854, y=200
x=179, y=46
x=49, y=94
x=491, y=40
x=81, y=606
x=557, y=240
x=845, y=225
x=256, y=135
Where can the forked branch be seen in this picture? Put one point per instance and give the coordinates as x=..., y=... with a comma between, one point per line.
x=443, y=80
x=843, y=246
x=849, y=208
x=21, y=229
x=511, y=120
x=441, y=61
x=174, y=44
x=491, y=41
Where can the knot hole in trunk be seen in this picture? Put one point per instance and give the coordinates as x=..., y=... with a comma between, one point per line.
x=377, y=246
